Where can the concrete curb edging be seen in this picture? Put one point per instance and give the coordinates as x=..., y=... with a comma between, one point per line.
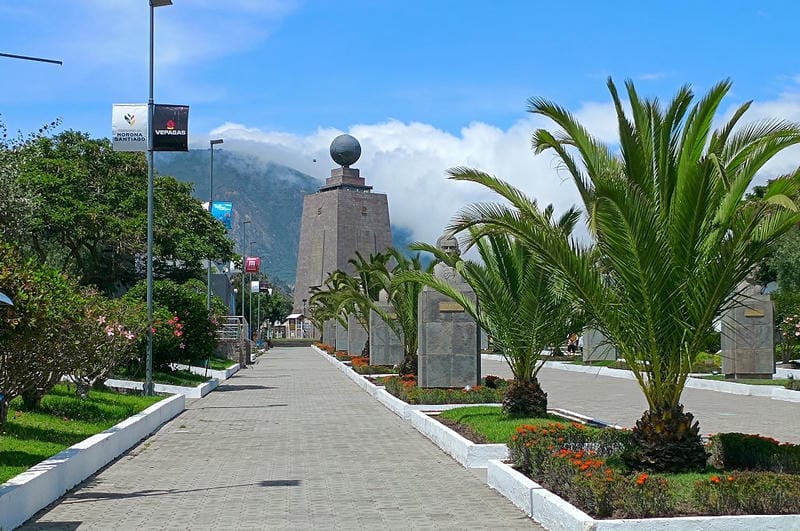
x=556, y=514
x=466, y=452
x=189, y=392
x=219, y=375
x=24, y=495
x=765, y=391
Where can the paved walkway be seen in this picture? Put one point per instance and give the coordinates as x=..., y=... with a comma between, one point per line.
x=620, y=401
x=291, y=443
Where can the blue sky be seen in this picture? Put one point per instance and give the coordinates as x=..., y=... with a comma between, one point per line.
x=425, y=85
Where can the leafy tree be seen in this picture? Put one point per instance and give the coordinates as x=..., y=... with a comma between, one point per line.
x=674, y=235
x=522, y=305
x=92, y=215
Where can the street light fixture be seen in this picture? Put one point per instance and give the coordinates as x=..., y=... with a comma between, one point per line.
x=211, y=211
x=250, y=320
x=148, y=380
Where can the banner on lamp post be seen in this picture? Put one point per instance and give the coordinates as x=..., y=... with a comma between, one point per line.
x=170, y=128
x=223, y=211
x=255, y=286
x=252, y=264
x=129, y=127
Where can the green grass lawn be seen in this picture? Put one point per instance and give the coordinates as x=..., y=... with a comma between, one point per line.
x=63, y=420
x=181, y=378
x=490, y=421
x=749, y=381
x=217, y=364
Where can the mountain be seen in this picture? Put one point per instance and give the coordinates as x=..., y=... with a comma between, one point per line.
x=269, y=194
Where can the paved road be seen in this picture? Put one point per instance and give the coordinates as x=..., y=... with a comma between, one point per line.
x=620, y=401
x=291, y=443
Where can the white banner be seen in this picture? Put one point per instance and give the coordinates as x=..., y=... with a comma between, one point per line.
x=129, y=127
x=255, y=286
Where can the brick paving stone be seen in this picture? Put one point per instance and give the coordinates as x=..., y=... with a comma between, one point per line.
x=290, y=443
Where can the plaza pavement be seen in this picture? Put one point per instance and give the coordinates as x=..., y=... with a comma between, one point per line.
x=290, y=443
x=620, y=401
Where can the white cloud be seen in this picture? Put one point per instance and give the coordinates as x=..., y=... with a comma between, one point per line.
x=409, y=162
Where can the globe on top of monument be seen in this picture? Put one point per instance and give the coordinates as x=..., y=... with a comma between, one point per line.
x=345, y=150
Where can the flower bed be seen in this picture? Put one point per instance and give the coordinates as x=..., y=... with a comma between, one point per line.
x=583, y=466
x=405, y=388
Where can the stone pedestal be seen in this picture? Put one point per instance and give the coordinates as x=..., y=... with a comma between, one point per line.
x=449, y=354
x=385, y=347
x=329, y=332
x=356, y=336
x=597, y=347
x=341, y=337
x=748, y=338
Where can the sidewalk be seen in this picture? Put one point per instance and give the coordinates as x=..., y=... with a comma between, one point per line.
x=289, y=443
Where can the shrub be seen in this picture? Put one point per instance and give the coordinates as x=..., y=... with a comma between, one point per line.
x=188, y=320
x=324, y=346
x=740, y=451
x=641, y=496
x=747, y=493
x=405, y=388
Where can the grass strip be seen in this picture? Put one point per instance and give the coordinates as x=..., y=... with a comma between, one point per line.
x=492, y=423
x=62, y=420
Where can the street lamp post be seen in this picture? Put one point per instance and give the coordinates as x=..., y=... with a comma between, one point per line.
x=250, y=328
x=244, y=258
x=148, y=381
x=211, y=211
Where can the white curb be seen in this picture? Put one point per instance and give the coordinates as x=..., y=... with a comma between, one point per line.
x=189, y=392
x=24, y=495
x=211, y=373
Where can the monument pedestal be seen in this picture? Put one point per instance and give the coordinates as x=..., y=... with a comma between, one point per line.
x=385, y=347
x=748, y=337
x=449, y=342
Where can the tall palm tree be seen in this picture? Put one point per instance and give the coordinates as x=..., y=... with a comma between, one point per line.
x=673, y=238
x=520, y=304
x=403, y=297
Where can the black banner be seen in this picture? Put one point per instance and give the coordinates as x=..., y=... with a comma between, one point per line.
x=171, y=128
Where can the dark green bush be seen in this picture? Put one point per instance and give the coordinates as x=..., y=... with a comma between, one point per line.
x=740, y=451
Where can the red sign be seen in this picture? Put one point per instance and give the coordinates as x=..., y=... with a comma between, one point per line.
x=252, y=264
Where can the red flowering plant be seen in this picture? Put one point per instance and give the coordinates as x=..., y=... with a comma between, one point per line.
x=109, y=339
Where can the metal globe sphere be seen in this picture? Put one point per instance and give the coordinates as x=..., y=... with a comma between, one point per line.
x=345, y=150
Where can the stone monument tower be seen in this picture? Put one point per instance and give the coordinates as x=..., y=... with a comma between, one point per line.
x=343, y=217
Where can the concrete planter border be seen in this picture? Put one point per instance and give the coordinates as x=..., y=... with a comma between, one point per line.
x=466, y=452
x=24, y=495
x=189, y=392
x=219, y=375
x=557, y=515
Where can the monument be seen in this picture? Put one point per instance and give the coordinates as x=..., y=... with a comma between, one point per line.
x=748, y=334
x=597, y=347
x=343, y=217
x=449, y=341
x=385, y=347
x=356, y=336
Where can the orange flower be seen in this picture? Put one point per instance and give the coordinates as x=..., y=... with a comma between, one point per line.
x=714, y=479
x=730, y=478
x=641, y=478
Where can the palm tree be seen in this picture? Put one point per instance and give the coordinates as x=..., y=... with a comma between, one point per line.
x=672, y=238
x=403, y=297
x=519, y=303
